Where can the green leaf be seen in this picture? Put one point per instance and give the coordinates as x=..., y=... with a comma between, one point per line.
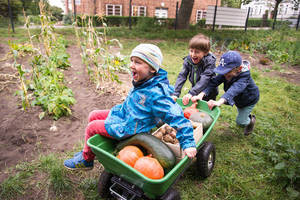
x=292, y=192
x=280, y=166
x=42, y=115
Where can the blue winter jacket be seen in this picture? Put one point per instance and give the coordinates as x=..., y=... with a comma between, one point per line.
x=143, y=107
x=240, y=90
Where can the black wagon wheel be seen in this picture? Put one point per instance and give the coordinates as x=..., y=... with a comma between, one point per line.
x=171, y=194
x=104, y=184
x=206, y=159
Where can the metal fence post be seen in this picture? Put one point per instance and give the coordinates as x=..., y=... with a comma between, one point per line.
x=215, y=15
x=297, y=25
x=176, y=17
x=10, y=16
x=246, y=24
x=130, y=14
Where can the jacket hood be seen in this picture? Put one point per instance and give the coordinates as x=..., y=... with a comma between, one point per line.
x=161, y=77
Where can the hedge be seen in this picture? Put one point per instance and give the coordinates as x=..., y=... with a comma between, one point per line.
x=124, y=21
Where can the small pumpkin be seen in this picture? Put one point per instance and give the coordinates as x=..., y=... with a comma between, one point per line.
x=149, y=167
x=130, y=154
x=187, y=112
x=203, y=118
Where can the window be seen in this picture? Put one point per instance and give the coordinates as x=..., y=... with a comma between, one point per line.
x=77, y=2
x=280, y=10
x=161, y=12
x=115, y=10
x=138, y=11
x=200, y=14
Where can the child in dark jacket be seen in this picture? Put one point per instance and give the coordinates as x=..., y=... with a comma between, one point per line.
x=239, y=87
x=199, y=67
x=149, y=100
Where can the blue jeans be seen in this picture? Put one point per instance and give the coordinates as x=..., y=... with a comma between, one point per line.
x=243, y=118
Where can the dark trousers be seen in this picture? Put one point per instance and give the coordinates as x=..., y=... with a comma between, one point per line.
x=213, y=95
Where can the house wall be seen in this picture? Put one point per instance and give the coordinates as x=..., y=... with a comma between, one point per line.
x=259, y=8
x=92, y=7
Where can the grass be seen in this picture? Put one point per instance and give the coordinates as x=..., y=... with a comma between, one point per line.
x=244, y=167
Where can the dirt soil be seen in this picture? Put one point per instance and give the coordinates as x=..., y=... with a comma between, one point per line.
x=23, y=136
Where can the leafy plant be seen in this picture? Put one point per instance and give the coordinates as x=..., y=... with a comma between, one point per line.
x=96, y=53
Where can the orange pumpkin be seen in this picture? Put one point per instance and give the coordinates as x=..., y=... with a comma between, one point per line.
x=149, y=167
x=130, y=154
x=190, y=110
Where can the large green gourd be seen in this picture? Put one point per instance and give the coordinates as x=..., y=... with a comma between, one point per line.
x=152, y=145
x=203, y=118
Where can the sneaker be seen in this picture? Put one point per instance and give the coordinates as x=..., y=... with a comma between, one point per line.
x=78, y=153
x=78, y=163
x=249, y=128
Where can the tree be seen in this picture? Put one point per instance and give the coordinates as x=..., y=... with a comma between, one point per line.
x=231, y=3
x=277, y=2
x=184, y=13
x=16, y=8
x=56, y=12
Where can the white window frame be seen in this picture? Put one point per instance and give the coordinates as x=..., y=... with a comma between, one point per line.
x=139, y=11
x=113, y=9
x=160, y=11
x=199, y=15
x=77, y=2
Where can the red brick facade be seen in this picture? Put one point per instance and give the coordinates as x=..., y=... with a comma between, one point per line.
x=92, y=7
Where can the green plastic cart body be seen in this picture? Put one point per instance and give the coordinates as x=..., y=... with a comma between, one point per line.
x=104, y=148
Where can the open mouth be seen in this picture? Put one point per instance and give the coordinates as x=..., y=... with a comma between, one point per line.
x=134, y=75
x=195, y=60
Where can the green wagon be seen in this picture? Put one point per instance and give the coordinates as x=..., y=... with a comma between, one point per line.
x=121, y=181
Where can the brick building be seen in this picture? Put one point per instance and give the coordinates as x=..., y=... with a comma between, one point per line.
x=149, y=8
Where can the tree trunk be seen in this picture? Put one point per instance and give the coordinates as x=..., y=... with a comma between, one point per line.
x=275, y=12
x=184, y=13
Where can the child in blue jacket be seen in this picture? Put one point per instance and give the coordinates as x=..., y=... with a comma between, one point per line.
x=149, y=100
x=239, y=87
x=198, y=67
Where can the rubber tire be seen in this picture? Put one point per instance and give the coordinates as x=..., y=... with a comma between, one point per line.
x=171, y=194
x=206, y=157
x=104, y=184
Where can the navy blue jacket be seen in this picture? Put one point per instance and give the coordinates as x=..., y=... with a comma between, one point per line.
x=240, y=90
x=199, y=74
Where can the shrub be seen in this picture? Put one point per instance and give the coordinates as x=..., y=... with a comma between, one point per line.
x=67, y=19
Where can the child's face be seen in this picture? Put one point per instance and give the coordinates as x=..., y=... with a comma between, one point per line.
x=232, y=73
x=140, y=69
x=196, y=55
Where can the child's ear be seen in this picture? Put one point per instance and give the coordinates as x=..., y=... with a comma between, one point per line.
x=152, y=70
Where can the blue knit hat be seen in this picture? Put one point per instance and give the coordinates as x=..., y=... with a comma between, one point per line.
x=228, y=61
x=149, y=53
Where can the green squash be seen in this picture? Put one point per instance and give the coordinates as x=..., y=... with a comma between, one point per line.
x=202, y=117
x=152, y=145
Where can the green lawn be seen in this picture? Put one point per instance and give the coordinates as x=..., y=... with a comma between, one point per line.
x=264, y=165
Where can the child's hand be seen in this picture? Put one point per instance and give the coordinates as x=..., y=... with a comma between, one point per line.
x=186, y=99
x=211, y=104
x=174, y=98
x=190, y=152
x=198, y=97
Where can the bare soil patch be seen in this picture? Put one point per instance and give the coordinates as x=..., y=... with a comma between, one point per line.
x=23, y=136
x=289, y=73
